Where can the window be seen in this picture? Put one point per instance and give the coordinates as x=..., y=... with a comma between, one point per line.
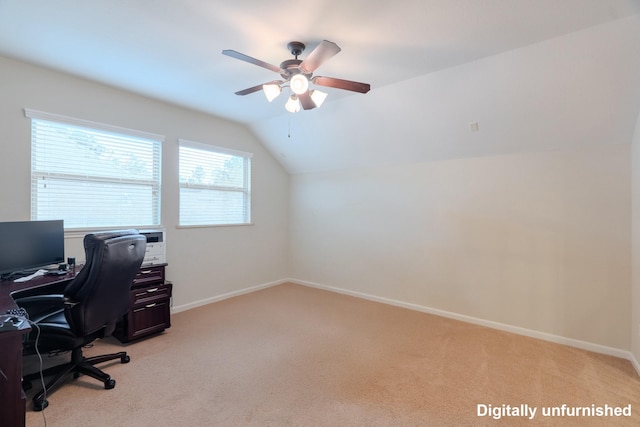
x=214, y=185
x=93, y=175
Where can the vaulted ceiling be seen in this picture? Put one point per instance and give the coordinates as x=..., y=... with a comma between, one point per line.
x=533, y=74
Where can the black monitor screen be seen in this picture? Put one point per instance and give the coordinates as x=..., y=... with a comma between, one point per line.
x=30, y=244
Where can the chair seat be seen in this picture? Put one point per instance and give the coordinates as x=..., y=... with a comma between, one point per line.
x=56, y=334
x=53, y=331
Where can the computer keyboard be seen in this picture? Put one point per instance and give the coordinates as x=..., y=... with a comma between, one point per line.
x=18, y=312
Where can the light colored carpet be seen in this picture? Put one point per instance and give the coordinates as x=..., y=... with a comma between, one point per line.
x=297, y=356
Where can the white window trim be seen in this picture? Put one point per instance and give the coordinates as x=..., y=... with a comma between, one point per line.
x=222, y=150
x=135, y=133
x=42, y=115
x=208, y=147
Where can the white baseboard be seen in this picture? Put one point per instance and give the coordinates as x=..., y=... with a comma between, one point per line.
x=635, y=363
x=184, y=307
x=597, y=348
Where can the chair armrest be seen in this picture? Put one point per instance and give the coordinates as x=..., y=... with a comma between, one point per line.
x=40, y=299
x=68, y=302
x=39, y=305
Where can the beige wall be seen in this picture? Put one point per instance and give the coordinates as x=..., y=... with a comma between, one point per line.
x=538, y=241
x=635, y=226
x=203, y=262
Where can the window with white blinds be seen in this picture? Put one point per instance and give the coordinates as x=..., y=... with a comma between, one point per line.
x=93, y=175
x=215, y=185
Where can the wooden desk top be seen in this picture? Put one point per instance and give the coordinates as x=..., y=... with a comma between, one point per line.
x=8, y=287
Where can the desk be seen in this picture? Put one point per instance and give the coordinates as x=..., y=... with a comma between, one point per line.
x=12, y=398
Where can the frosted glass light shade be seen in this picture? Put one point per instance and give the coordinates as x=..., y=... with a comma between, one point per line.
x=318, y=97
x=293, y=104
x=299, y=84
x=271, y=91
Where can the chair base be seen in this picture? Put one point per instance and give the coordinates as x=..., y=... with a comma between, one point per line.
x=77, y=366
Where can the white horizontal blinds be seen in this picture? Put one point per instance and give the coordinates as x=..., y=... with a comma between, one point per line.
x=93, y=177
x=215, y=185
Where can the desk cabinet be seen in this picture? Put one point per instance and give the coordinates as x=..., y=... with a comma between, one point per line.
x=150, y=305
x=12, y=398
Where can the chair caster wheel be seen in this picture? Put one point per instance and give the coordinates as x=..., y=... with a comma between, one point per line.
x=109, y=384
x=125, y=359
x=39, y=405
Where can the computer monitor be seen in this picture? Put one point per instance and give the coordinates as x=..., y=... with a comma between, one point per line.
x=28, y=245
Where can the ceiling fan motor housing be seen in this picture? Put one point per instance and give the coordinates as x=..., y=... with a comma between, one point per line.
x=291, y=67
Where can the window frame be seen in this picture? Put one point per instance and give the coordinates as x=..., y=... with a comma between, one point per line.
x=91, y=128
x=246, y=190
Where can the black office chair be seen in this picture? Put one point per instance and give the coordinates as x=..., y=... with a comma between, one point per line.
x=93, y=302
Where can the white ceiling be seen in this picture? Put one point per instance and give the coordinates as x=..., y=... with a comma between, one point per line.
x=171, y=50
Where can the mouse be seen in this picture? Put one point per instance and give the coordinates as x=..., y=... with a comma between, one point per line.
x=10, y=323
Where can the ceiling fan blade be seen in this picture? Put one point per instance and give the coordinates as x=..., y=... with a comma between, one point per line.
x=306, y=101
x=342, y=84
x=257, y=88
x=325, y=50
x=250, y=60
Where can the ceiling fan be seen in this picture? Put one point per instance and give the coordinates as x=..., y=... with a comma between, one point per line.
x=297, y=75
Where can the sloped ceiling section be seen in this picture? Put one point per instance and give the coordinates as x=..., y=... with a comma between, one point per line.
x=571, y=91
x=517, y=67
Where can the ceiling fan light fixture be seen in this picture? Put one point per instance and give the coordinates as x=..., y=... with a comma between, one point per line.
x=293, y=104
x=299, y=84
x=318, y=97
x=297, y=75
x=271, y=91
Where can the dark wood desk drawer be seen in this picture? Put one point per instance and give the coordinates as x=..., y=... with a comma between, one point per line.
x=149, y=275
x=148, y=295
x=150, y=299
x=148, y=318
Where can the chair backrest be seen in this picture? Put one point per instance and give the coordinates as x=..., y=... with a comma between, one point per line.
x=99, y=296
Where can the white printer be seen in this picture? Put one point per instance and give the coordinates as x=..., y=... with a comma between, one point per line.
x=156, y=252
